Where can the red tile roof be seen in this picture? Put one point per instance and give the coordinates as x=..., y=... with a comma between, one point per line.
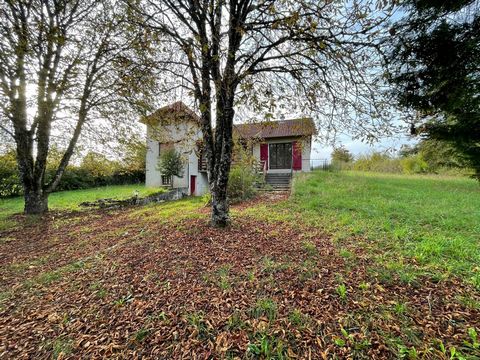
x=177, y=111
x=274, y=129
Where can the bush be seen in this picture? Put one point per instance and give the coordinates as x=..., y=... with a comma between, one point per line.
x=378, y=162
x=241, y=183
x=338, y=165
x=10, y=184
x=410, y=161
x=243, y=179
x=171, y=163
x=414, y=165
x=94, y=170
x=342, y=155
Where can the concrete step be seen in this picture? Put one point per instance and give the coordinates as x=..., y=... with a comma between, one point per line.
x=278, y=181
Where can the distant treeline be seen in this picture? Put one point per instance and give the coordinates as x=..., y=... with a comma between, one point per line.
x=93, y=170
x=427, y=157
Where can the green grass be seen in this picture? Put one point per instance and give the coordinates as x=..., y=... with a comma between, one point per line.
x=430, y=219
x=69, y=200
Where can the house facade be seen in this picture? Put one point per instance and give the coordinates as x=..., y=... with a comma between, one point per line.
x=280, y=147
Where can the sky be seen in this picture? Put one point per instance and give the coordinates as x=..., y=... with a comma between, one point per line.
x=321, y=151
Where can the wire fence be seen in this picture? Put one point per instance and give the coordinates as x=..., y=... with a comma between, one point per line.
x=320, y=164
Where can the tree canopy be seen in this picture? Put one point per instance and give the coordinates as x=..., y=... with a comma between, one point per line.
x=435, y=70
x=341, y=154
x=62, y=66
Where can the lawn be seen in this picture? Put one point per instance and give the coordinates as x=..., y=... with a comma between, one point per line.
x=422, y=224
x=351, y=265
x=69, y=200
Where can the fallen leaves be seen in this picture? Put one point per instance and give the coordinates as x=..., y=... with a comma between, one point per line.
x=186, y=290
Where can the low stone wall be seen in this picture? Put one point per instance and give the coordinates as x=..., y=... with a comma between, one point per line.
x=174, y=194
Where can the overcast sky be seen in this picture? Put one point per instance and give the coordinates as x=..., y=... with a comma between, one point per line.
x=356, y=147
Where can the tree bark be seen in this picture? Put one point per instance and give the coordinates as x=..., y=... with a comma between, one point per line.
x=36, y=201
x=220, y=209
x=223, y=154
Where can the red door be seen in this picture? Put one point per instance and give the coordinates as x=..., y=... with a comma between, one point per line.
x=193, y=184
x=297, y=155
x=264, y=153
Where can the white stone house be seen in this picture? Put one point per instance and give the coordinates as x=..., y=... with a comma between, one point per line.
x=281, y=147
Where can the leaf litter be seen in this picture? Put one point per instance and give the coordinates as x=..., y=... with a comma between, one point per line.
x=106, y=286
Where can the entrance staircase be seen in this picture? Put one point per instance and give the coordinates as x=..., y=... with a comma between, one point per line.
x=279, y=181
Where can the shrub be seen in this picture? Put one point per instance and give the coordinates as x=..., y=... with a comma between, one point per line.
x=338, y=165
x=171, y=163
x=243, y=179
x=411, y=161
x=9, y=178
x=378, y=162
x=94, y=170
x=241, y=184
x=341, y=154
x=414, y=165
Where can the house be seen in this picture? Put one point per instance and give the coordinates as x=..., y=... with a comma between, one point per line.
x=281, y=147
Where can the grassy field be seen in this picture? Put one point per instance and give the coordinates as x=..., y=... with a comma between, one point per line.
x=422, y=224
x=69, y=200
x=350, y=266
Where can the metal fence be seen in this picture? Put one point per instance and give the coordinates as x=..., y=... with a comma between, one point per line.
x=320, y=164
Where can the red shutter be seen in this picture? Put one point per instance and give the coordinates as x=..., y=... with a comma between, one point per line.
x=297, y=155
x=264, y=153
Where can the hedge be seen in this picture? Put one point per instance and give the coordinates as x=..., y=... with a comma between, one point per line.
x=96, y=171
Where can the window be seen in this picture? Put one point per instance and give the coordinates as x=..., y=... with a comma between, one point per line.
x=164, y=146
x=166, y=180
x=280, y=155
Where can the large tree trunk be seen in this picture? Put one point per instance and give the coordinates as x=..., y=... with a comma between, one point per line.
x=36, y=201
x=223, y=155
x=220, y=211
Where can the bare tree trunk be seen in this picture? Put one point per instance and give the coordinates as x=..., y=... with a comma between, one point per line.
x=223, y=153
x=220, y=209
x=36, y=201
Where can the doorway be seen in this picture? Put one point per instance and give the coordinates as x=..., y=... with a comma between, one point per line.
x=280, y=156
x=193, y=184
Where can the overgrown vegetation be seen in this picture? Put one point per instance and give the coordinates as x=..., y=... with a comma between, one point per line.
x=427, y=157
x=243, y=178
x=433, y=67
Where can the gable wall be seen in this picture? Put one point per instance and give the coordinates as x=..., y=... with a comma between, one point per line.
x=183, y=137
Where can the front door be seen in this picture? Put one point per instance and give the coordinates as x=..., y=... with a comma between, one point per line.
x=280, y=155
x=193, y=184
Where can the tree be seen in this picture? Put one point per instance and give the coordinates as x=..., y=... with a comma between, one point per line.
x=98, y=165
x=171, y=163
x=434, y=68
x=341, y=154
x=266, y=54
x=61, y=66
x=436, y=153
x=9, y=181
x=134, y=152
